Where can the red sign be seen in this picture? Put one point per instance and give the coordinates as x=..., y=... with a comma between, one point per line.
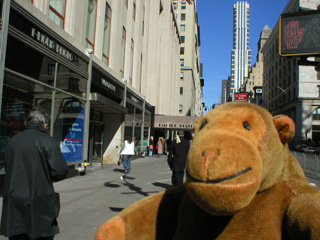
x=241, y=97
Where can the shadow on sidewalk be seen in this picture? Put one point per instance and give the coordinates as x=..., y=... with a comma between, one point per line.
x=124, y=182
x=116, y=209
x=163, y=185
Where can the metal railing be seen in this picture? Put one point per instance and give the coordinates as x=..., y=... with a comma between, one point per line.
x=309, y=163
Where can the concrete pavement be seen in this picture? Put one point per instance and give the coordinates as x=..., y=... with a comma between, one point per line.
x=88, y=201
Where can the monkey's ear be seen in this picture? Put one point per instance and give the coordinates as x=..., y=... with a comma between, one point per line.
x=285, y=126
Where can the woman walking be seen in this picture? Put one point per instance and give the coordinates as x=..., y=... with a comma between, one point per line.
x=127, y=151
x=160, y=146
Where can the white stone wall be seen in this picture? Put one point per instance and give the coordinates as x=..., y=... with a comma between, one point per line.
x=157, y=75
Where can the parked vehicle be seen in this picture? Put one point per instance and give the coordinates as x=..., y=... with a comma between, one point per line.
x=306, y=149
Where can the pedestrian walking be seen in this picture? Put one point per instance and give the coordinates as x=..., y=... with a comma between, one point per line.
x=33, y=161
x=127, y=151
x=160, y=146
x=177, y=158
x=151, y=145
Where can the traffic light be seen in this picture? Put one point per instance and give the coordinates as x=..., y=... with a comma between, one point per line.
x=299, y=33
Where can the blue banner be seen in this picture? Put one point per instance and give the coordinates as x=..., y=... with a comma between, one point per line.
x=72, y=145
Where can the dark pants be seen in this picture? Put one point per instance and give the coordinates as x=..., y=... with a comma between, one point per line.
x=177, y=178
x=25, y=237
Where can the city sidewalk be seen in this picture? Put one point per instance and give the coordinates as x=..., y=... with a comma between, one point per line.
x=88, y=201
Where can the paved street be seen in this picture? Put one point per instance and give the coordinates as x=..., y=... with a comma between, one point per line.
x=88, y=201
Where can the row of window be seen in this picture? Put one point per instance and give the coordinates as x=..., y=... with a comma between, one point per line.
x=57, y=10
x=183, y=5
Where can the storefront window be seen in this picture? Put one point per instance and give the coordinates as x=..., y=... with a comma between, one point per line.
x=23, y=59
x=69, y=126
x=19, y=96
x=1, y=3
x=138, y=114
x=70, y=81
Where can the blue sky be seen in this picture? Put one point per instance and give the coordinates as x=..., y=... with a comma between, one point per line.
x=216, y=22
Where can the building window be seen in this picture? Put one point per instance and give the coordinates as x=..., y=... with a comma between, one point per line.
x=57, y=11
x=51, y=68
x=141, y=72
x=181, y=90
x=134, y=11
x=316, y=114
x=318, y=91
x=183, y=5
x=181, y=62
x=183, y=16
x=91, y=23
x=182, y=28
x=180, y=108
x=131, y=59
x=183, y=39
x=143, y=16
x=175, y=5
x=123, y=50
x=181, y=75
x=181, y=50
x=106, y=35
x=74, y=84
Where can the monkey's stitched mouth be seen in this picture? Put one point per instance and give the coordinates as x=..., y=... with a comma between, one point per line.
x=219, y=180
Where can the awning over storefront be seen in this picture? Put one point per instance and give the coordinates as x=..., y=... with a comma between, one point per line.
x=174, y=122
x=105, y=105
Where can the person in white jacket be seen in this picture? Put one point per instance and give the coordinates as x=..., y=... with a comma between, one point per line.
x=127, y=151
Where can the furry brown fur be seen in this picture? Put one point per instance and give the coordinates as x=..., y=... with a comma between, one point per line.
x=242, y=183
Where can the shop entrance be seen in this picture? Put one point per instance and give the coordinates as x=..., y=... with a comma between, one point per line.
x=95, y=143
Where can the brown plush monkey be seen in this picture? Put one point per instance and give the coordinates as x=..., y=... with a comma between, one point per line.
x=242, y=183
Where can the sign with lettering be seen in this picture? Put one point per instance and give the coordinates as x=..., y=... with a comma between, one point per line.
x=108, y=85
x=241, y=97
x=72, y=144
x=175, y=125
x=53, y=45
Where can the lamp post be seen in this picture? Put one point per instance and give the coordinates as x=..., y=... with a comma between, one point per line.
x=124, y=104
x=3, y=43
x=142, y=125
x=87, y=108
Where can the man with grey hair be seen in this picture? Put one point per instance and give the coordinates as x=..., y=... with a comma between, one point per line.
x=177, y=158
x=33, y=161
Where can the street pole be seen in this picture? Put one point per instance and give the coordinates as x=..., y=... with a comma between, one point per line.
x=124, y=104
x=3, y=44
x=86, y=129
x=142, y=125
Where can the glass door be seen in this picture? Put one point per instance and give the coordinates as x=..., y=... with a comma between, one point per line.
x=96, y=143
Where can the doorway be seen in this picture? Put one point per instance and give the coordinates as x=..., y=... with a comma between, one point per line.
x=95, y=143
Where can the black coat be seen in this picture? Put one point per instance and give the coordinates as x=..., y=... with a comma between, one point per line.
x=30, y=204
x=178, y=152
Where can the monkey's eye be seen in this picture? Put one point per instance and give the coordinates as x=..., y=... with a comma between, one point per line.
x=204, y=123
x=246, y=125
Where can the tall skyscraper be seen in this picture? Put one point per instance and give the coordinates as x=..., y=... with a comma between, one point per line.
x=241, y=54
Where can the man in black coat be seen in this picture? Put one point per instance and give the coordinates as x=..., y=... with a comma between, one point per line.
x=33, y=162
x=177, y=158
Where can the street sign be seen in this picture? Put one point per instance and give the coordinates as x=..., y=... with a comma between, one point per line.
x=299, y=33
x=241, y=97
